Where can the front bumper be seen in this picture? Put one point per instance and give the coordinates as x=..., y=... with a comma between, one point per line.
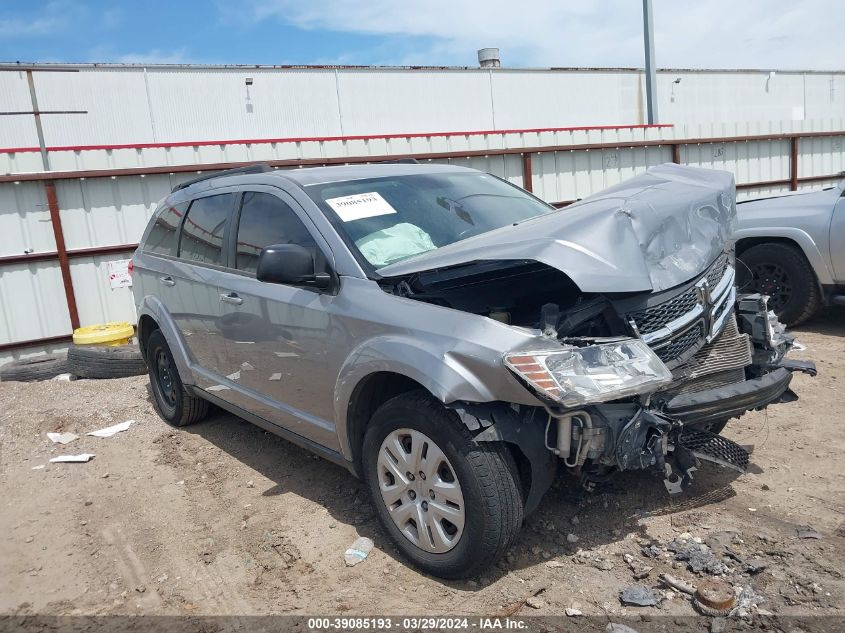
x=731, y=400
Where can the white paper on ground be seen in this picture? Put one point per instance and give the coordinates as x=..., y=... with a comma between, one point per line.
x=71, y=459
x=276, y=376
x=360, y=206
x=62, y=438
x=38, y=467
x=217, y=388
x=111, y=430
x=235, y=376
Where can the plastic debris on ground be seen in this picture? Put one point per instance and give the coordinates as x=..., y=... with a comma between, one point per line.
x=72, y=459
x=112, y=430
x=807, y=532
x=358, y=551
x=276, y=376
x=615, y=627
x=698, y=557
x=38, y=467
x=62, y=438
x=64, y=377
x=639, y=596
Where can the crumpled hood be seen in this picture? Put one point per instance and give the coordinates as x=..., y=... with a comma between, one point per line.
x=648, y=233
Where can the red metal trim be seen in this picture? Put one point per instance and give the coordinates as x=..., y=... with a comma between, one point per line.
x=101, y=250
x=36, y=341
x=793, y=163
x=527, y=173
x=72, y=253
x=61, y=251
x=318, y=139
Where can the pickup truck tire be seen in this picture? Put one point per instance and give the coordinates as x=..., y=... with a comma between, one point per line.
x=782, y=272
x=174, y=404
x=33, y=369
x=477, y=482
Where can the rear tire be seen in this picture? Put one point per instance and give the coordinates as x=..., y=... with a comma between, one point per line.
x=782, y=272
x=174, y=404
x=488, y=493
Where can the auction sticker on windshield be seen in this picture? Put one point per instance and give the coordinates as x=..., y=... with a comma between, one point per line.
x=360, y=206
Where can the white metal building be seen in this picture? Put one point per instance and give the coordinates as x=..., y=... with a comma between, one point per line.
x=115, y=139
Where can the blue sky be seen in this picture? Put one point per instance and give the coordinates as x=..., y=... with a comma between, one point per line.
x=689, y=33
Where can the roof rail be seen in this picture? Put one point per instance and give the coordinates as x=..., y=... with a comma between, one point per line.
x=399, y=161
x=257, y=168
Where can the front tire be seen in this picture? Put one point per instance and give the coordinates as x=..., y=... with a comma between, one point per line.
x=782, y=272
x=452, y=505
x=175, y=405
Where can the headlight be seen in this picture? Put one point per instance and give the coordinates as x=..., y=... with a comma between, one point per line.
x=576, y=376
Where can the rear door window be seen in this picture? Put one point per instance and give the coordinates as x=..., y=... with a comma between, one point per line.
x=162, y=237
x=203, y=232
x=265, y=220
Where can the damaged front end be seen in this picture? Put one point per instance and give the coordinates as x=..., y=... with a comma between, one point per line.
x=694, y=357
x=643, y=348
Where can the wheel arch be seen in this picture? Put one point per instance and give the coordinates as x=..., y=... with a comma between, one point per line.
x=797, y=238
x=372, y=391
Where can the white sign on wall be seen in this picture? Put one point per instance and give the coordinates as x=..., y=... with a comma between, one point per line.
x=119, y=276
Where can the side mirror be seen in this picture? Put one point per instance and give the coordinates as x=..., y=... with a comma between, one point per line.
x=290, y=264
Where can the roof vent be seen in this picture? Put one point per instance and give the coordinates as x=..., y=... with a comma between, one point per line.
x=489, y=58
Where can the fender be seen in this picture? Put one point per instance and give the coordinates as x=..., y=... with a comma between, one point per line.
x=526, y=430
x=152, y=307
x=443, y=372
x=804, y=241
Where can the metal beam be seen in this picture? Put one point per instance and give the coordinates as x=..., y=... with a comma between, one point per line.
x=61, y=251
x=650, y=69
x=42, y=146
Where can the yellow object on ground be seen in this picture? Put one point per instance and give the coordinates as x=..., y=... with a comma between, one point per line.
x=114, y=333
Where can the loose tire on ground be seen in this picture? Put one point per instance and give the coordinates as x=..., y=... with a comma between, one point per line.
x=100, y=361
x=781, y=271
x=485, y=472
x=174, y=404
x=32, y=369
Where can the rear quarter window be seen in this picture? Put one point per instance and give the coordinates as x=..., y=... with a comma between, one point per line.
x=202, y=236
x=162, y=237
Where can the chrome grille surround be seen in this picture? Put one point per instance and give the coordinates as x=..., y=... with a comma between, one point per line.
x=676, y=329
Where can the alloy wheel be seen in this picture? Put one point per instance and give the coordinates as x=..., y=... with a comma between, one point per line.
x=772, y=280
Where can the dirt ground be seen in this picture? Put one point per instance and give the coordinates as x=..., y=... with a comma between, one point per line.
x=225, y=518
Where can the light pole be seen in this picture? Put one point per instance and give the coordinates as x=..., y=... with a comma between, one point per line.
x=650, y=71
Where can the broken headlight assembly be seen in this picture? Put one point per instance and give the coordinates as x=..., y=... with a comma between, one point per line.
x=574, y=376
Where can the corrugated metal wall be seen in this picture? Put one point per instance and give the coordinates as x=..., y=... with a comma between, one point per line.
x=132, y=107
x=129, y=104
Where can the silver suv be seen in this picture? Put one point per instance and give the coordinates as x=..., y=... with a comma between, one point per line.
x=453, y=340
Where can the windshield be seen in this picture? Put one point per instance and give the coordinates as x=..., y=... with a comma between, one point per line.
x=393, y=218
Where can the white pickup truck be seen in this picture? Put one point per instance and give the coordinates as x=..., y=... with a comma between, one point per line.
x=792, y=248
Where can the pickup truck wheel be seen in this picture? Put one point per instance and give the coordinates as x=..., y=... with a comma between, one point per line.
x=174, y=403
x=451, y=504
x=782, y=272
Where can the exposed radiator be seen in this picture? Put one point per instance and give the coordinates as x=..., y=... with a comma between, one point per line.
x=722, y=362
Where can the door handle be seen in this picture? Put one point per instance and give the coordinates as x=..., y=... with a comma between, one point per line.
x=167, y=281
x=232, y=298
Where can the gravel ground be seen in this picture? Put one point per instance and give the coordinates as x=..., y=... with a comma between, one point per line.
x=224, y=518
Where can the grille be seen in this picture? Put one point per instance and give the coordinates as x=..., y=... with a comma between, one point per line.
x=681, y=344
x=652, y=319
x=714, y=448
x=717, y=271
